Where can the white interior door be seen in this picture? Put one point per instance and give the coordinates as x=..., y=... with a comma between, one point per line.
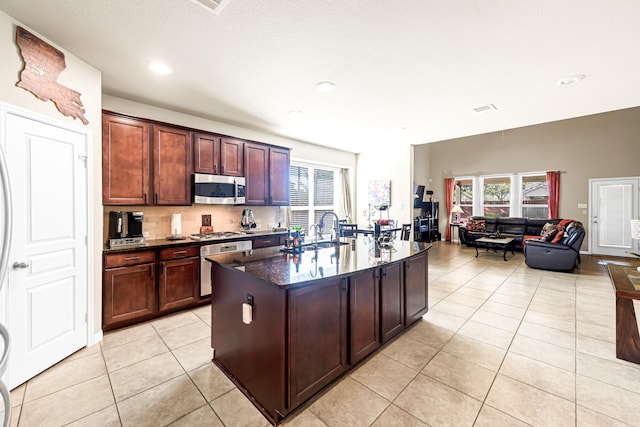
x=614, y=202
x=48, y=263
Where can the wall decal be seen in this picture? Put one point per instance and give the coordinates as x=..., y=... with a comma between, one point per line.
x=42, y=65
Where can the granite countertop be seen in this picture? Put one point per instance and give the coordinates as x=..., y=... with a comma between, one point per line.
x=165, y=243
x=290, y=270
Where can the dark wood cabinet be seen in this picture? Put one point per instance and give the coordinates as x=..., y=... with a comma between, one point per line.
x=172, y=166
x=415, y=288
x=279, y=162
x=126, y=178
x=145, y=164
x=317, y=337
x=178, y=278
x=128, y=291
x=257, y=174
x=231, y=157
x=300, y=339
x=267, y=174
x=218, y=155
x=206, y=153
x=267, y=241
x=364, y=309
x=391, y=301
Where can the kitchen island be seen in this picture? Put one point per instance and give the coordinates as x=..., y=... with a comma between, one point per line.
x=286, y=325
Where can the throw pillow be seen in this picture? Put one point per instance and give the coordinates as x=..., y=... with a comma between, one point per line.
x=547, y=229
x=549, y=237
x=478, y=225
x=559, y=235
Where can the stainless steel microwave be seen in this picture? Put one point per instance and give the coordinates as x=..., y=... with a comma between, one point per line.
x=218, y=189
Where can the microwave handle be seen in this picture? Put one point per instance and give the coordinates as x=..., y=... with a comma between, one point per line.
x=235, y=188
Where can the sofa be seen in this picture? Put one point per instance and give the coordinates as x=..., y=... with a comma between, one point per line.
x=520, y=229
x=560, y=254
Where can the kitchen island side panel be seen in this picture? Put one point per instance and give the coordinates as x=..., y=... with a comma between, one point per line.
x=254, y=354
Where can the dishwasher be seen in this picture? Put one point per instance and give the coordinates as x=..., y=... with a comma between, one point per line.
x=220, y=252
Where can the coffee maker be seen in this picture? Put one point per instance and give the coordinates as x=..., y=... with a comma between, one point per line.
x=134, y=224
x=116, y=225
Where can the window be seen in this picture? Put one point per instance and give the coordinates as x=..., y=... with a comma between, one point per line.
x=313, y=192
x=535, y=196
x=497, y=196
x=464, y=198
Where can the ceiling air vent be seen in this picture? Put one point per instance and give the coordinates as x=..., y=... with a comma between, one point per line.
x=215, y=6
x=484, y=108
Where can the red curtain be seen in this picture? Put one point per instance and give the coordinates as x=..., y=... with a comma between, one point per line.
x=449, y=185
x=553, y=184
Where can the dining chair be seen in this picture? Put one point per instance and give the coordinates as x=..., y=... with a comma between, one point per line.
x=405, y=232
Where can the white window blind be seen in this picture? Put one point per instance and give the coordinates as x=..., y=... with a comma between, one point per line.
x=313, y=190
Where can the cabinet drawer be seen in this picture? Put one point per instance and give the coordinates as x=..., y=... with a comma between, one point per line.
x=266, y=241
x=129, y=258
x=179, y=252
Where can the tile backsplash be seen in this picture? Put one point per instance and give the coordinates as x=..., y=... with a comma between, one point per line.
x=157, y=219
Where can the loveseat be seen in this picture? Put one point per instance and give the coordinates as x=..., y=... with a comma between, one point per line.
x=520, y=229
x=560, y=254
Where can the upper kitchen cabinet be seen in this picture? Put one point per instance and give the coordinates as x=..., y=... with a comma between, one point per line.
x=218, y=155
x=144, y=164
x=279, y=176
x=125, y=161
x=267, y=174
x=172, y=166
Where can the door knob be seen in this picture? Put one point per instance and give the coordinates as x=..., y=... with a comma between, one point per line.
x=17, y=265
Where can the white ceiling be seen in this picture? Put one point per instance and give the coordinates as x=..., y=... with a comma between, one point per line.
x=423, y=65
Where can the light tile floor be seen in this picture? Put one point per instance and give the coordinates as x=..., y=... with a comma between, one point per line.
x=502, y=345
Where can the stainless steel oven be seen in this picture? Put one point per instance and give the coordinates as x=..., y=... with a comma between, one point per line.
x=221, y=252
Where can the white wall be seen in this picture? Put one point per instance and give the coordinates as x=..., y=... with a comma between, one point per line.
x=82, y=78
x=396, y=165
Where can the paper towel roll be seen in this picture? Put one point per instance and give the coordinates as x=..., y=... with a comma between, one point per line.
x=176, y=224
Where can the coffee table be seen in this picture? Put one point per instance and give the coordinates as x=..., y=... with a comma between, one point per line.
x=503, y=243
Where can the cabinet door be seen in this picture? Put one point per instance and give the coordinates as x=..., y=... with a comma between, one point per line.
x=172, y=166
x=279, y=176
x=363, y=313
x=178, y=283
x=125, y=161
x=128, y=294
x=416, y=288
x=257, y=174
x=317, y=337
x=391, y=301
x=231, y=157
x=206, y=153
x=265, y=241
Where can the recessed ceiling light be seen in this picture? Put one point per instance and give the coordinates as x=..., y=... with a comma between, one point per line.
x=325, y=86
x=570, y=80
x=160, y=68
x=295, y=114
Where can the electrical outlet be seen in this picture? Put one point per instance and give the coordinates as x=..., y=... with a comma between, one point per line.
x=258, y=225
x=272, y=225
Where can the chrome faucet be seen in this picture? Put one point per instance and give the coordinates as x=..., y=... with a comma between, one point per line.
x=321, y=224
x=316, y=231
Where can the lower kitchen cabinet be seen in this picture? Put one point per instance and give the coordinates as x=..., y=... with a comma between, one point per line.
x=391, y=301
x=129, y=291
x=299, y=340
x=317, y=337
x=415, y=291
x=132, y=290
x=178, y=278
x=364, y=309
